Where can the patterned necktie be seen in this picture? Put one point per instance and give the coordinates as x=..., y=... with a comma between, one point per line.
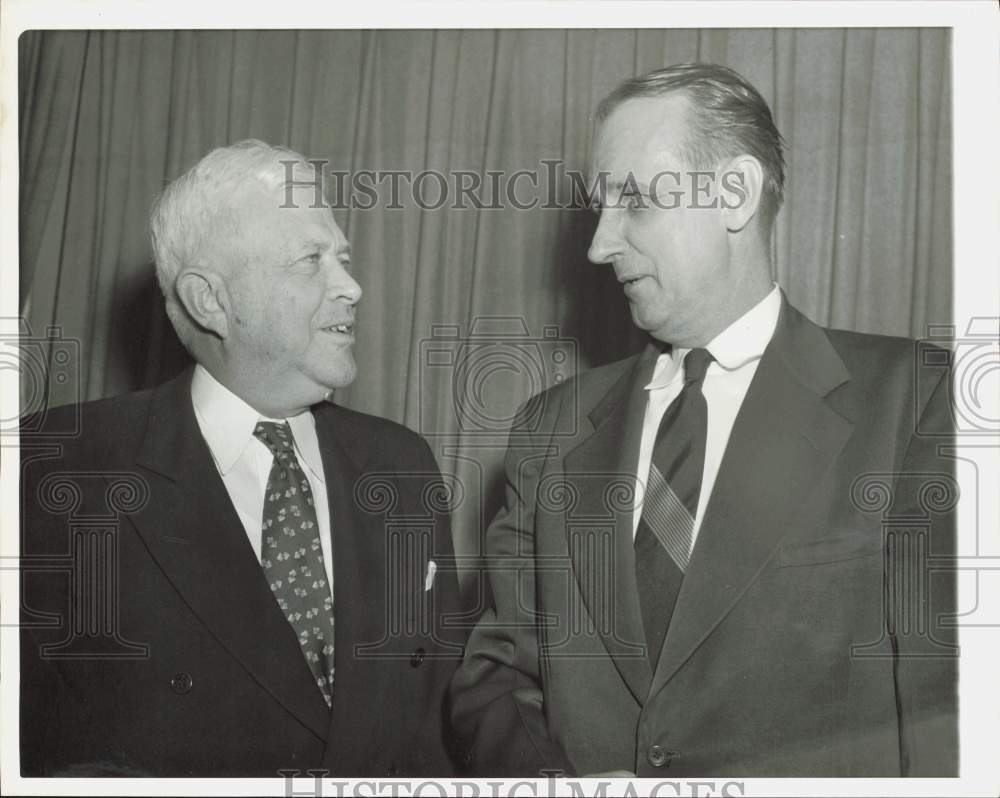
x=292, y=557
x=666, y=528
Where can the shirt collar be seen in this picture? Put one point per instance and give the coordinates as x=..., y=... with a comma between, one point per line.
x=306, y=443
x=227, y=424
x=740, y=343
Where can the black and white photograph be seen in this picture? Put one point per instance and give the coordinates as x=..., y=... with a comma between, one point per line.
x=498, y=399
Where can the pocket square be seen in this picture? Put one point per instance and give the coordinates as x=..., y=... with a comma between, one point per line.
x=429, y=576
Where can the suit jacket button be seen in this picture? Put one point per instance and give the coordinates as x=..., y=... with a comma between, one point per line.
x=417, y=658
x=181, y=683
x=659, y=757
x=391, y=770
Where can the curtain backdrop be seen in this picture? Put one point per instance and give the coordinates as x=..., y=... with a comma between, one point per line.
x=107, y=118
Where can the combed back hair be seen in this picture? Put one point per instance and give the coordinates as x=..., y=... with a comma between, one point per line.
x=192, y=221
x=195, y=210
x=728, y=118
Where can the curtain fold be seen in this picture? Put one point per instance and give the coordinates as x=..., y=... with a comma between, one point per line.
x=107, y=118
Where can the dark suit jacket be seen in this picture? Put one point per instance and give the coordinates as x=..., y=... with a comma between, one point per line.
x=152, y=644
x=808, y=637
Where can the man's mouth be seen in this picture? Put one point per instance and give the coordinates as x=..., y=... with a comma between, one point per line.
x=343, y=329
x=630, y=281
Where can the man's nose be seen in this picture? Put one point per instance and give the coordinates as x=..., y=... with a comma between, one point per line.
x=607, y=241
x=341, y=285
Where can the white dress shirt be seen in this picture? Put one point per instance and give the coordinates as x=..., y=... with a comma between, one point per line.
x=244, y=462
x=737, y=351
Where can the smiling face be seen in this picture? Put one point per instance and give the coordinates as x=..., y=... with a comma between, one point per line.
x=292, y=304
x=672, y=259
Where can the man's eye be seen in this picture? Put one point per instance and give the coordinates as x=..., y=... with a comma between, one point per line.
x=633, y=202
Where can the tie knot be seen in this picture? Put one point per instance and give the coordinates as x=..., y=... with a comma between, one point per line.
x=696, y=363
x=276, y=437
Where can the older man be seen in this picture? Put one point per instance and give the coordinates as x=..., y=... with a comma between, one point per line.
x=698, y=581
x=252, y=605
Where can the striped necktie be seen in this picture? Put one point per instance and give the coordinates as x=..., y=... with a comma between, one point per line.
x=666, y=528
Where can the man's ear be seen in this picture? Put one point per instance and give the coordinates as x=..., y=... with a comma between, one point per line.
x=203, y=295
x=742, y=186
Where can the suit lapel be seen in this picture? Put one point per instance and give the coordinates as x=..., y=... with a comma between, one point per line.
x=192, y=530
x=784, y=438
x=602, y=471
x=359, y=583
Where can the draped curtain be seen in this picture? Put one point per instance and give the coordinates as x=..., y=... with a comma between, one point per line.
x=107, y=118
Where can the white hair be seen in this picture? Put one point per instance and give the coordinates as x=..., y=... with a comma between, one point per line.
x=192, y=218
